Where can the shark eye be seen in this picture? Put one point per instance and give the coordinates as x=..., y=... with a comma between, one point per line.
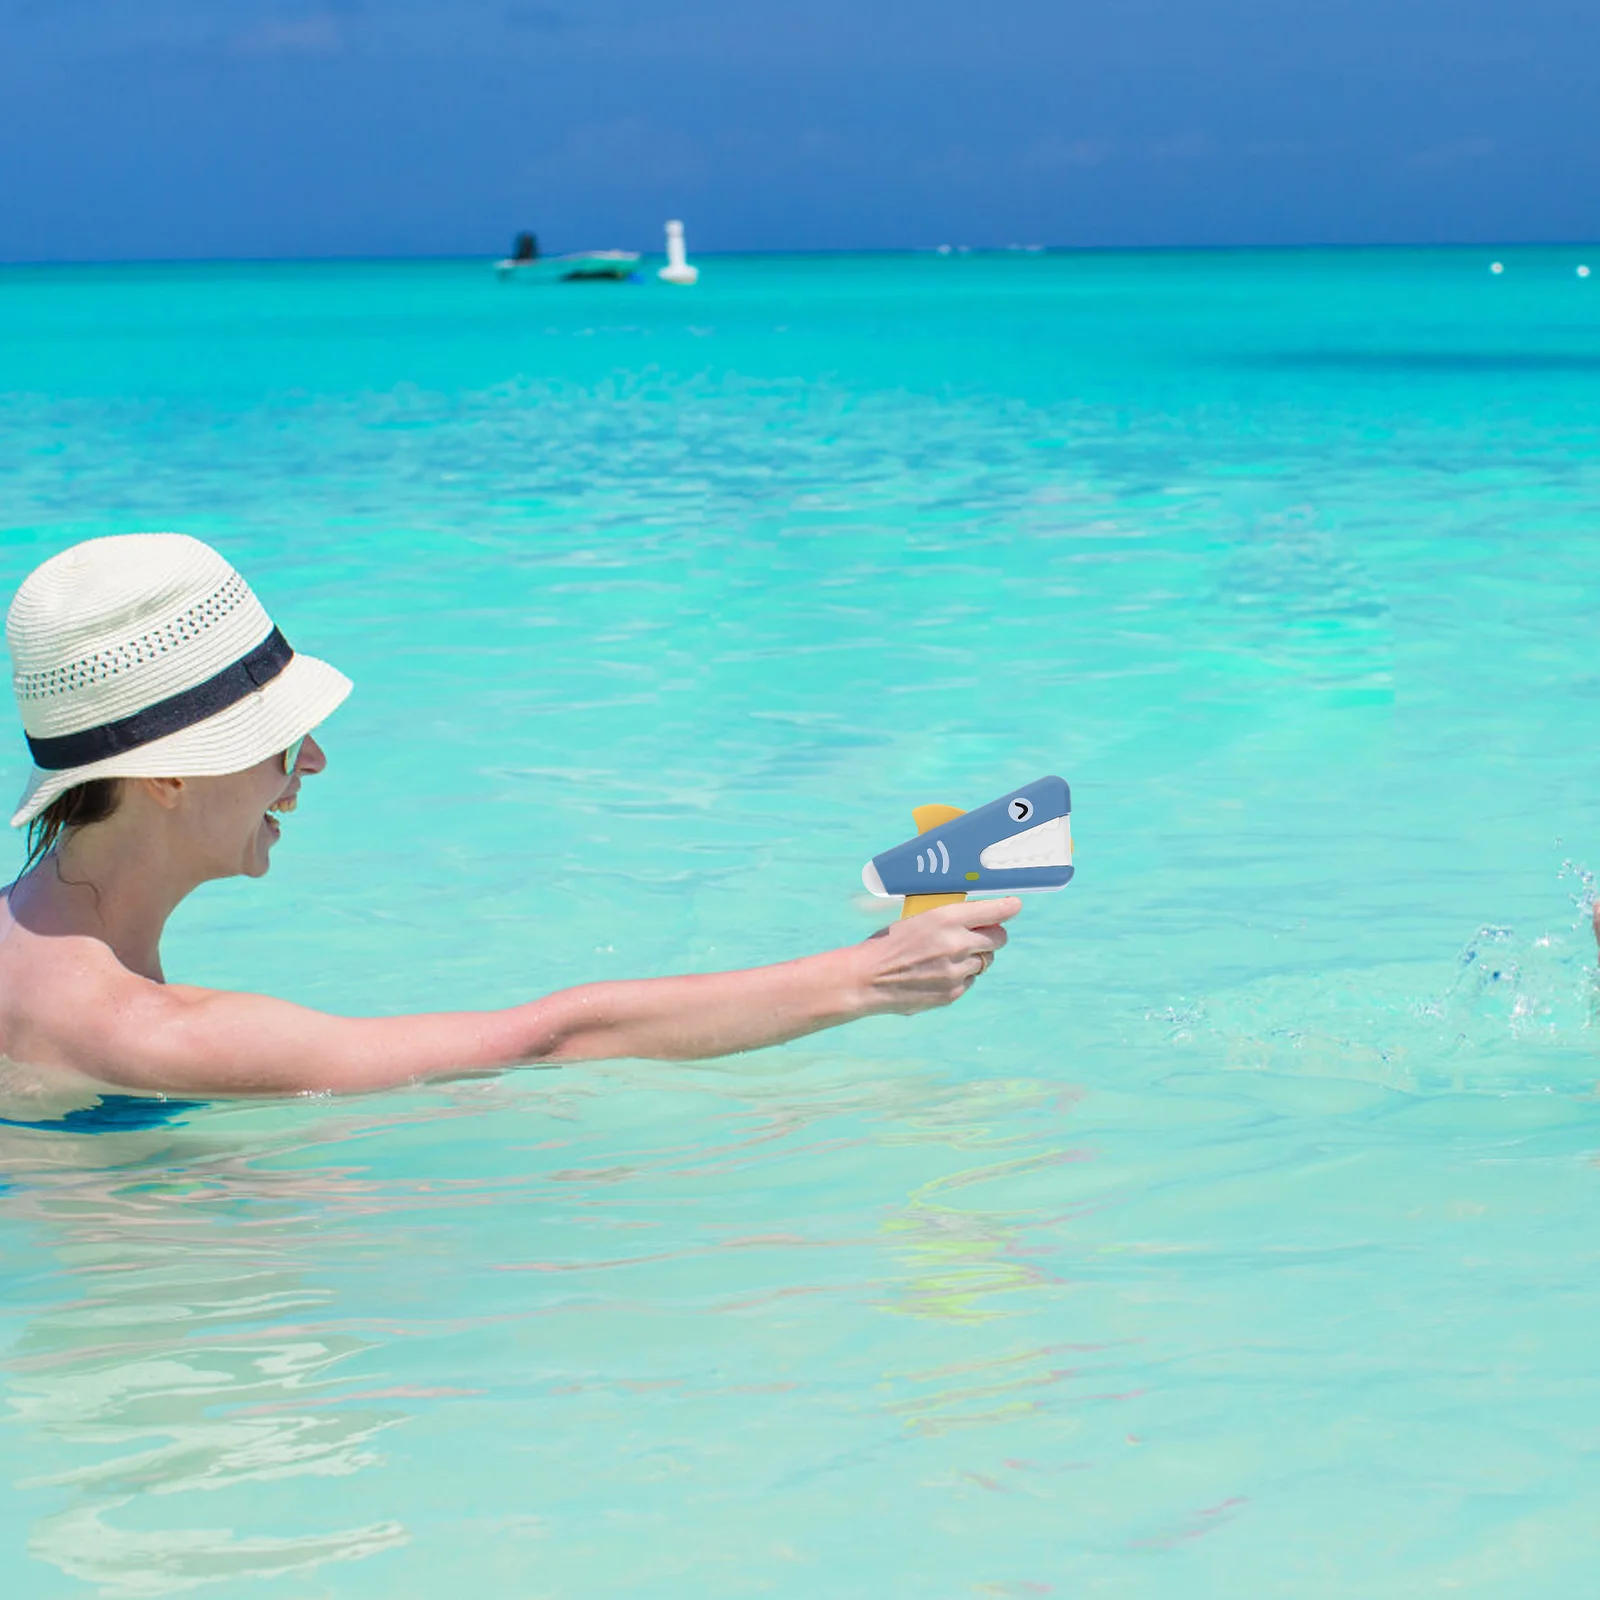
x=1020, y=809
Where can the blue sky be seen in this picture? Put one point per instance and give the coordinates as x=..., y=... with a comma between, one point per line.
x=175, y=128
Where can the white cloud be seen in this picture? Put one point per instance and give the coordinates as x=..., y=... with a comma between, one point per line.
x=316, y=35
x=1454, y=153
x=648, y=152
x=1183, y=148
x=1056, y=154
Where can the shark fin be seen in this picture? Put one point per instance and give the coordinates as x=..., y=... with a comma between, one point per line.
x=927, y=817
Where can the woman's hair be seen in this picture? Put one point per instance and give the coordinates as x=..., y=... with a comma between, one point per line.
x=93, y=801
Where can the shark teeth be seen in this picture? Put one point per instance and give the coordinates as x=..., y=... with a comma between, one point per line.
x=1048, y=845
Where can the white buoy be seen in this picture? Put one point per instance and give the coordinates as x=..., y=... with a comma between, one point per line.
x=677, y=269
x=1497, y=267
x=1583, y=272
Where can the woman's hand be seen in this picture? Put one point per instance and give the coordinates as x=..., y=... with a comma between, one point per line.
x=933, y=959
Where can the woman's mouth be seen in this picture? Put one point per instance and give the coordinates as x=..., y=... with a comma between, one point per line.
x=277, y=810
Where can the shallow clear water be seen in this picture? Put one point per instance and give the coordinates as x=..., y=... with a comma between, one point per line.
x=1240, y=1234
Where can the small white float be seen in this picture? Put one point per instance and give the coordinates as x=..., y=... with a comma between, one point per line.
x=677, y=269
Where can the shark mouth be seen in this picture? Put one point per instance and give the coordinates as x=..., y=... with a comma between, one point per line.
x=1048, y=845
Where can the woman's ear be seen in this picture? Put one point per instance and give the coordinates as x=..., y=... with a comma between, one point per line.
x=166, y=792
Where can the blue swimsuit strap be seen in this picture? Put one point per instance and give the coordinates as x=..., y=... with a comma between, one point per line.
x=114, y=1113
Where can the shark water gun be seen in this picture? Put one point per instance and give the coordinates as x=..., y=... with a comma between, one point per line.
x=1018, y=843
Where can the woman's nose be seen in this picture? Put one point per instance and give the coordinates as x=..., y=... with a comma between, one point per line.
x=312, y=757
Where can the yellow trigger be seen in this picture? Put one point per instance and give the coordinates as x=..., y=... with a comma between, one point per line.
x=927, y=817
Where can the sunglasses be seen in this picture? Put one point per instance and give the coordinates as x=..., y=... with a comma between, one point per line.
x=291, y=756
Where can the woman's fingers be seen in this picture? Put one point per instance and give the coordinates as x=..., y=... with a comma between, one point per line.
x=981, y=913
x=933, y=959
x=983, y=939
x=978, y=935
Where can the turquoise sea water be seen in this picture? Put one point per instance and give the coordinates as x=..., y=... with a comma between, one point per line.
x=1238, y=1235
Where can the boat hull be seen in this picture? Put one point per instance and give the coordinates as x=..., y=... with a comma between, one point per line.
x=587, y=266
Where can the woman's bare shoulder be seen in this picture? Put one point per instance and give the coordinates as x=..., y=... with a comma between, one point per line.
x=53, y=986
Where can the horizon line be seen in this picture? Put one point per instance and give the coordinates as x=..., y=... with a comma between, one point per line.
x=818, y=251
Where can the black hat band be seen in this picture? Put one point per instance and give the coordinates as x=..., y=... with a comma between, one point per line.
x=172, y=715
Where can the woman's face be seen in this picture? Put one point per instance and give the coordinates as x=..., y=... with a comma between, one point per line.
x=233, y=820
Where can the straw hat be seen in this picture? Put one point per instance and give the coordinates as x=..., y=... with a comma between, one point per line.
x=147, y=656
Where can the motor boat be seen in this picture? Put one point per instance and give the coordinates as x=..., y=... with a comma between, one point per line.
x=526, y=264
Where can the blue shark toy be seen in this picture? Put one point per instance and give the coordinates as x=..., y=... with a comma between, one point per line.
x=1016, y=844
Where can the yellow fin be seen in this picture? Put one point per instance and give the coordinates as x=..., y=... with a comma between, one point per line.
x=927, y=817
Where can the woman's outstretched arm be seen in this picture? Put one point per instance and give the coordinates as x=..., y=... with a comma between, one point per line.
x=124, y=1030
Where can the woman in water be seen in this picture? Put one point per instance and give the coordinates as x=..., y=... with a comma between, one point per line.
x=170, y=724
